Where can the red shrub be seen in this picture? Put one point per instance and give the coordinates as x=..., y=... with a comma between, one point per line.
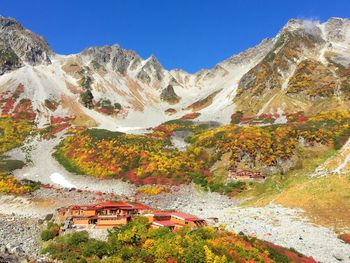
x=8, y=105
x=190, y=116
x=59, y=128
x=57, y=120
x=24, y=110
x=345, y=238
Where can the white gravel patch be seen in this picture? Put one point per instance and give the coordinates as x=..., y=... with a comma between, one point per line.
x=59, y=179
x=178, y=139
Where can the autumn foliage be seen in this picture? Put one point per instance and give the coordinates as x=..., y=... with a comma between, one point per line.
x=137, y=242
x=12, y=134
x=10, y=185
x=152, y=159
x=273, y=144
x=140, y=159
x=12, y=106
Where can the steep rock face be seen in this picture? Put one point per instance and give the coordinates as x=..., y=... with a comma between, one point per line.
x=29, y=47
x=294, y=41
x=151, y=70
x=168, y=94
x=251, y=54
x=117, y=58
x=125, y=62
x=8, y=59
x=337, y=29
x=306, y=69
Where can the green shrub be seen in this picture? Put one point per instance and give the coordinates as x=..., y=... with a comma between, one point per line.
x=199, y=179
x=34, y=185
x=278, y=257
x=95, y=247
x=66, y=163
x=47, y=235
x=7, y=165
x=76, y=238
x=52, y=231
x=117, y=106
x=100, y=134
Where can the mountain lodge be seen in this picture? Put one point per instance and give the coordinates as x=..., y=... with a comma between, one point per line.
x=107, y=215
x=245, y=175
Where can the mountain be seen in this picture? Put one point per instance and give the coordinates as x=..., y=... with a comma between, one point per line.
x=306, y=67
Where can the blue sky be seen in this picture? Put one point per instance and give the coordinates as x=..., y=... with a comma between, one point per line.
x=190, y=34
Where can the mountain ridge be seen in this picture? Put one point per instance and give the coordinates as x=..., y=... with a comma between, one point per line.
x=267, y=78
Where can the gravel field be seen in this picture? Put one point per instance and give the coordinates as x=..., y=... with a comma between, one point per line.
x=19, y=239
x=282, y=226
x=46, y=169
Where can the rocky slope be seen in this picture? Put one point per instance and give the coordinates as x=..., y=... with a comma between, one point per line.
x=300, y=73
x=304, y=68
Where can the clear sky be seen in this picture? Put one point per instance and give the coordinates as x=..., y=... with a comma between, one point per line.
x=187, y=34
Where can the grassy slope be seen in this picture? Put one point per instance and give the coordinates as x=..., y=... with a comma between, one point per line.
x=326, y=200
x=289, y=103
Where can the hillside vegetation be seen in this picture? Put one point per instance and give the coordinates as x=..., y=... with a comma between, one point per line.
x=137, y=242
x=147, y=159
x=12, y=134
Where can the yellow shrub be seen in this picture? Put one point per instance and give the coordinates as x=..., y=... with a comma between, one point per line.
x=152, y=190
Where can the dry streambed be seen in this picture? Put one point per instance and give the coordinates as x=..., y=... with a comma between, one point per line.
x=44, y=168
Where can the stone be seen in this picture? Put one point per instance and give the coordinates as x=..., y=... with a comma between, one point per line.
x=338, y=257
x=48, y=217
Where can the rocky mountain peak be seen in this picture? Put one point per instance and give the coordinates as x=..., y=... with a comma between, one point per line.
x=337, y=29
x=302, y=27
x=118, y=58
x=249, y=54
x=307, y=60
x=151, y=70
x=152, y=62
x=28, y=46
x=10, y=23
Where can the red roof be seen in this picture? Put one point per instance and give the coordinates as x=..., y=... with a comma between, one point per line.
x=121, y=205
x=184, y=216
x=142, y=207
x=84, y=206
x=114, y=204
x=161, y=213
